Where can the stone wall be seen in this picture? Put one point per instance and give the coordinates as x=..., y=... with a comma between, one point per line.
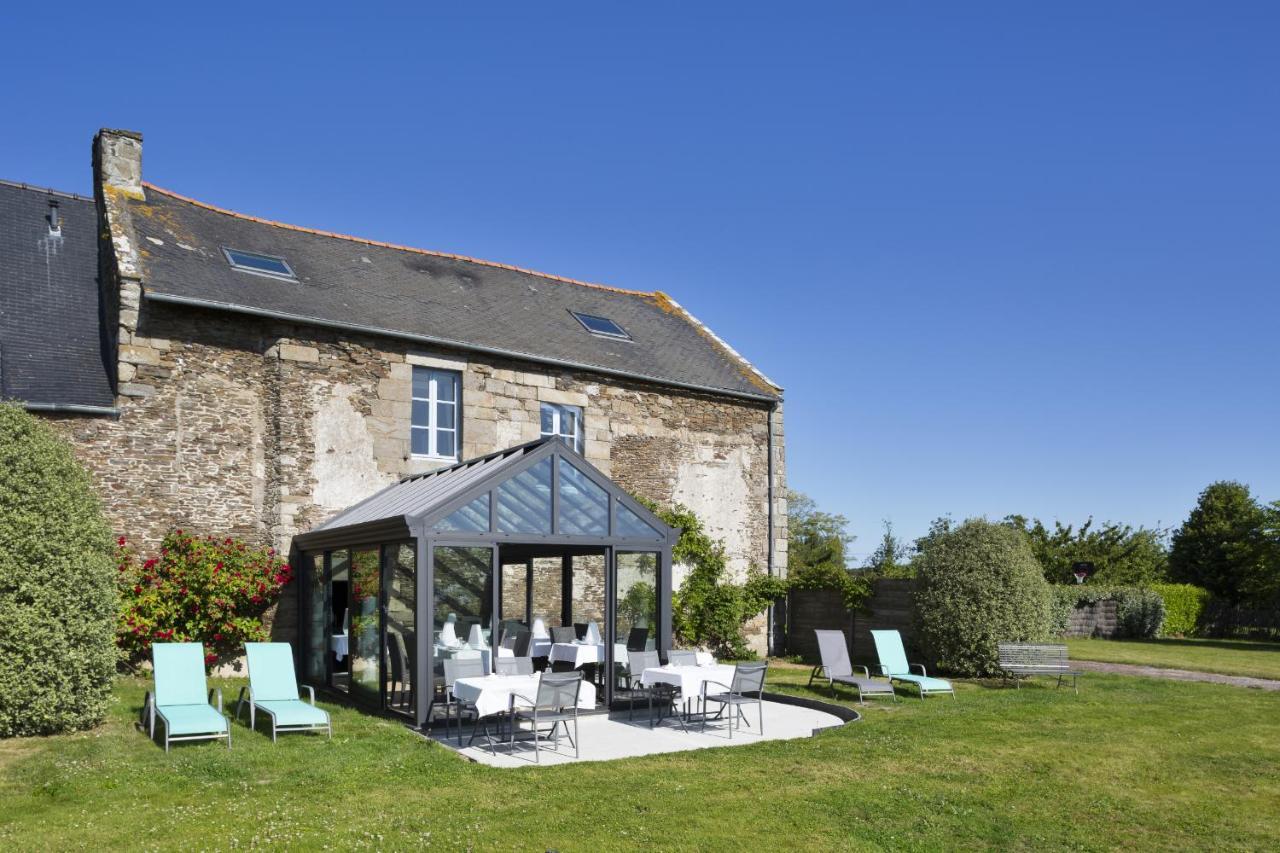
x=261, y=429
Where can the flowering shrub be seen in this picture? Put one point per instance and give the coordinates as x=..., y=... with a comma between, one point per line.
x=198, y=589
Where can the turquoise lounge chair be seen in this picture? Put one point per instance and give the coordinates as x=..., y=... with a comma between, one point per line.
x=273, y=689
x=180, y=700
x=893, y=663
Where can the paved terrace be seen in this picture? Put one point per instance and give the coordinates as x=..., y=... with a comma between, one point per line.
x=604, y=738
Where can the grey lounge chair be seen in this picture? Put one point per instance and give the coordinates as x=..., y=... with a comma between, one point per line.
x=837, y=669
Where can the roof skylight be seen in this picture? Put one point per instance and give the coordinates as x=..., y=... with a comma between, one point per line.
x=259, y=264
x=602, y=326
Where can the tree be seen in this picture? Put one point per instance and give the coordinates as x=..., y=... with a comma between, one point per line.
x=1122, y=555
x=890, y=555
x=815, y=538
x=1220, y=546
x=1263, y=583
x=57, y=586
x=979, y=585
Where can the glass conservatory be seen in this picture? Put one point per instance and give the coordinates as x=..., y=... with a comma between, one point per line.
x=530, y=551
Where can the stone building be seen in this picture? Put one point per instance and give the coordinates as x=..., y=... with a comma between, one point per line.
x=225, y=373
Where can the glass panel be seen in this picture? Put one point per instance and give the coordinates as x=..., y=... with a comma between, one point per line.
x=637, y=585
x=320, y=620
x=588, y=590
x=601, y=325
x=418, y=440
x=421, y=410
x=446, y=385
x=366, y=585
x=464, y=598
x=401, y=649
x=524, y=501
x=514, y=599
x=339, y=617
x=548, y=591
x=261, y=263
x=472, y=518
x=584, y=506
x=421, y=382
x=445, y=443
x=633, y=526
x=444, y=416
x=548, y=419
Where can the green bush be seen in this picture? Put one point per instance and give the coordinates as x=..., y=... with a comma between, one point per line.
x=57, y=591
x=1139, y=611
x=978, y=585
x=1184, y=604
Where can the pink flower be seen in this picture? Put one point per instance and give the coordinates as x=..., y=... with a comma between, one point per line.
x=120, y=541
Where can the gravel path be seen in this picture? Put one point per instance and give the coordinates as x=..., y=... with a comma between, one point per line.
x=1177, y=674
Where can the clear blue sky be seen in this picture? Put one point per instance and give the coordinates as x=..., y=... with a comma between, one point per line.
x=1003, y=257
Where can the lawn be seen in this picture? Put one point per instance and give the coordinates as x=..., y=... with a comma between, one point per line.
x=1229, y=657
x=1127, y=763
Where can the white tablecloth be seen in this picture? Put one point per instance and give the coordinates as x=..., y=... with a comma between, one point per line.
x=461, y=652
x=338, y=643
x=583, y=653
x=689, y=678
x=492, y=694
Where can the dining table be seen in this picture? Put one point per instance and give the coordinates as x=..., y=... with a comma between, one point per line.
x=493, y=695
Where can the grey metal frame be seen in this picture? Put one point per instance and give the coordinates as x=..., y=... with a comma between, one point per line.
x=833, y=672
x=406, y=520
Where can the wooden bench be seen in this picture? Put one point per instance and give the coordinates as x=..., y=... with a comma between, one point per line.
x=1021, y=660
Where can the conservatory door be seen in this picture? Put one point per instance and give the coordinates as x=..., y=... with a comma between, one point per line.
x=365, y=629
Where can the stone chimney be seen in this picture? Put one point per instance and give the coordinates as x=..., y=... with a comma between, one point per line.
x=117, y=180
x=117, y=160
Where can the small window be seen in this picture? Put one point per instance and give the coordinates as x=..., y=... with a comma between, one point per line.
x=434, y=429
x=564, y=421
x=602, y=326
x=260, y=264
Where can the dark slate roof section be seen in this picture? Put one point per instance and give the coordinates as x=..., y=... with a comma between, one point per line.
x=51, y=346
x=429, y=296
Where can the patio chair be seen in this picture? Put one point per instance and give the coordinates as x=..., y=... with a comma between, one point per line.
x=521, y=646
x=556, y=703
x=682, y=657
x=514, y=666
x=563, y=634
x=273, y=689
x=836, y=668
x=893, y=663
x=455, y=668
x=637, y=639
x=748, y=678
x=637, y=663
x=180, y=698
x=580, y=630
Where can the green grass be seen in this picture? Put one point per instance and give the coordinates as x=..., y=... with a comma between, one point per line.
x=1128, y=763
x=1229, y=657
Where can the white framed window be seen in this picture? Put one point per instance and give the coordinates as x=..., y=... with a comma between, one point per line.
x=564, y=421
x=434, y=430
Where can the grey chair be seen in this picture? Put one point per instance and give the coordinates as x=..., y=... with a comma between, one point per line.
x=563, y=634
x=682, y=657
x=514, y=666
x=455, y=668
x=837, y=669
x=748, y=678
x=580, y=630
x=637, y=663
x=637, y=639
x=556, y=703
x=521, y=646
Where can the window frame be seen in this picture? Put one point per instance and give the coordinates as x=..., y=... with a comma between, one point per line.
x=228, y=252
x=621, y=335
x=579, y=439
x=433, y=401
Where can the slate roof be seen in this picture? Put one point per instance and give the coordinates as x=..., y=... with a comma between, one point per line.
x=51, y=348
x=428, y=296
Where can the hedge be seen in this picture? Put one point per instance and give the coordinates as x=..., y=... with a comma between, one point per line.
x=978, y=586
x=1140, y=612
x=1184, y=606
x=57, y=586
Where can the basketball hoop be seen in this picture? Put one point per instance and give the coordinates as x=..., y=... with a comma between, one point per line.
x=1080, y=576
x=1081, y=570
